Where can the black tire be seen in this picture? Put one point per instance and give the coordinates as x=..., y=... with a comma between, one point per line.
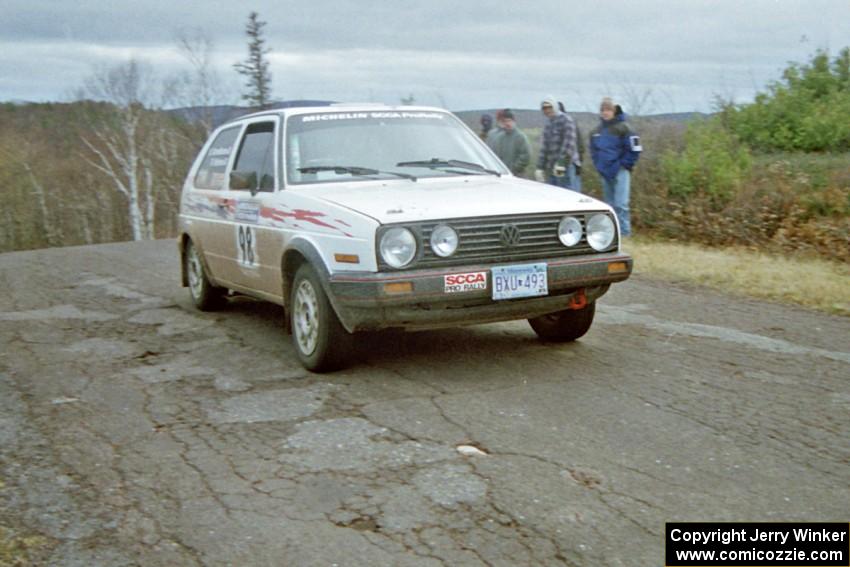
x=205, y=295
x=321, y=342
x=564, y=326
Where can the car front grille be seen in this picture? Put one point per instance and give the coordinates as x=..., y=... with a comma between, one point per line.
x=480, y=240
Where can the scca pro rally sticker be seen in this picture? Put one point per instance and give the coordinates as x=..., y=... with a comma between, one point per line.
x=465, y=282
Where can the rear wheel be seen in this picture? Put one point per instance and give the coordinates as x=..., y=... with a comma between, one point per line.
x=564, y=326
x=320, y=340
x=205, y=295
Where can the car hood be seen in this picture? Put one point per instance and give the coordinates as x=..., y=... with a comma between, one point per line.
x=430, y=199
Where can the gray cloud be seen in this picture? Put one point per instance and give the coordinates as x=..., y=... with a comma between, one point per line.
x=464, y=54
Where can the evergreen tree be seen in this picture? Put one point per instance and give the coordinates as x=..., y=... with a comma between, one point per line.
x=256, y=68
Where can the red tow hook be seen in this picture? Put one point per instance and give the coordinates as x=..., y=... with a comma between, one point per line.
x=578, y=300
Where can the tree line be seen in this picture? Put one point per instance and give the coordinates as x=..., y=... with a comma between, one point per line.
x=110, y=165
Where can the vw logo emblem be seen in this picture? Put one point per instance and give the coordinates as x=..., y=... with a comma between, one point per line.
x=510, y=235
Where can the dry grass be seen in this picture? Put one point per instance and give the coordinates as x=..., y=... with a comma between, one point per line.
x=19, y=551
x=810, y=282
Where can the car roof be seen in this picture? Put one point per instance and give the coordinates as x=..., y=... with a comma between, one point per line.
x=336, y=107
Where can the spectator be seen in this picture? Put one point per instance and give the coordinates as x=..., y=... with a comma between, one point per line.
x=486, y=124
x=615, y=150
x=558, y=147
x=510, y=143
x=497, y=126
x=574, y=170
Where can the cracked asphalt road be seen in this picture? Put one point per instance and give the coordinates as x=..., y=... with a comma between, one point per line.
x=135, y=430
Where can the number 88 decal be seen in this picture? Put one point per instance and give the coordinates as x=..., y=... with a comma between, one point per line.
x=246, y=245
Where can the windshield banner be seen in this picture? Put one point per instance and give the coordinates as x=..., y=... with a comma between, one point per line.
x=367, y=115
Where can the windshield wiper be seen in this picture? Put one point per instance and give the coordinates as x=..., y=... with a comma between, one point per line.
x=437, y=163
x=353, y=170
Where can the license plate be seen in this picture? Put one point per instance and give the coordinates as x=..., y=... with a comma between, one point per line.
x=525, y=280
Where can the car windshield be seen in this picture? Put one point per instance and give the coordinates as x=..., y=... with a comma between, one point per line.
x=344, y=146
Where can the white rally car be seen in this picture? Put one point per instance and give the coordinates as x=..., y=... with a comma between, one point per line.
x=363, y=217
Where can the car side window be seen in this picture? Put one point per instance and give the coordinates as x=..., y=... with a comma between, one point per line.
x=211, y=173
x=256, y=155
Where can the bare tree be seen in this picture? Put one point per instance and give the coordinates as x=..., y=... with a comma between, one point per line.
x=117, y=140
x=41, y=199
x=441, y=98
x=671, y=102
x=23, y=155
x=638, y=100
x=256, y=67
x=168, y=152
x=201, y=86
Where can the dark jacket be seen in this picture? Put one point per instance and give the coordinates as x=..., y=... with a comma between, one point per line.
x=511, y=147
x=613, y=145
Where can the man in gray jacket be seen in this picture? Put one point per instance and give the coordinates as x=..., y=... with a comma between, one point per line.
x=510, y=143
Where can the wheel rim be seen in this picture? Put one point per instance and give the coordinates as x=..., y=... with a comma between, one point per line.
x=195, y=272
x=305, y=317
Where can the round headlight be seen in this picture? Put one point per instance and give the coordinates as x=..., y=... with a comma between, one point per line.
x=600, y=231
x=444, y=240
x=569, y=231
x=398, y=247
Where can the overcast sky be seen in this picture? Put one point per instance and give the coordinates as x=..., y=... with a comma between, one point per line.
x=461, y=54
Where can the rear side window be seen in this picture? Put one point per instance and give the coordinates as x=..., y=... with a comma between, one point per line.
x=256, y=154
x=211, y=173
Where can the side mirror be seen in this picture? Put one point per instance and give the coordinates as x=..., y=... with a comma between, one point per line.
x=243, y=180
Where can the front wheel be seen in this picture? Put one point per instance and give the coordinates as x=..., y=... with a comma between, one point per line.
x=320, y=340
x=205, y=295
x=564, y=326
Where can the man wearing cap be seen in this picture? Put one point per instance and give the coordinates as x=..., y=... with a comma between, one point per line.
x=510, y=143
x=615, y=150
x=558, y=161
x=497, y=126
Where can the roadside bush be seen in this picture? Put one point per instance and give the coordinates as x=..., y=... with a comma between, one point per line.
x=713, y=165
x=788, y=203
x=806, y=110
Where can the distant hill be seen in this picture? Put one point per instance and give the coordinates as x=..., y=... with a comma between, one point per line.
x=533, y=118
x=679, y=116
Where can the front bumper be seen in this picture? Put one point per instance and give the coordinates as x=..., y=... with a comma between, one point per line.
x=364, y=302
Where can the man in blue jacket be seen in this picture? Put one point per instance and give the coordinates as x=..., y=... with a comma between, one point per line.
x=615, y=150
